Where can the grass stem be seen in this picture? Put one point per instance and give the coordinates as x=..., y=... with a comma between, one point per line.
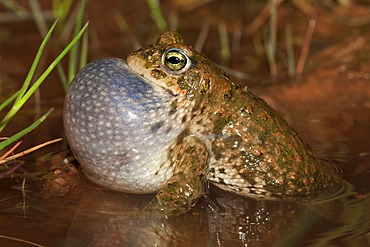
x=157, y=15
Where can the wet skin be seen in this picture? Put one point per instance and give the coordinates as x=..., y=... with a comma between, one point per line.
x=169, y=120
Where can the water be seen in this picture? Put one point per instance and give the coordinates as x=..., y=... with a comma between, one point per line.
x=91, y=216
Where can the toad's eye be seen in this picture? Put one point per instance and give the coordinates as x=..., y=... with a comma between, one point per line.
x=176, y=60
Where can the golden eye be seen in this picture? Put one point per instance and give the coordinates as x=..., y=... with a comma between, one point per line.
x=176, y=60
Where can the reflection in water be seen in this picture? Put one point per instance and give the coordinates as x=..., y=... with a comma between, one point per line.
x=92, y=216
x=350, y=216
x=95, y=217
x=239, y=221
x=112, y=219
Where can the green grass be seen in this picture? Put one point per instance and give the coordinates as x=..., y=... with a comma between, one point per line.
x=20, y=97
x=157, y=15
x=74, y=55
x=271, y=44
x=61, y=9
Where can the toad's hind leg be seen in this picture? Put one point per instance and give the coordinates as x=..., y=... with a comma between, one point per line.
x=187, y=184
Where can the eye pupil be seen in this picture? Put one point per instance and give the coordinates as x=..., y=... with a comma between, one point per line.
x=175, y=60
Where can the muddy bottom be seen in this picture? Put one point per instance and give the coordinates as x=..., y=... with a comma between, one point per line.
x=49, y=203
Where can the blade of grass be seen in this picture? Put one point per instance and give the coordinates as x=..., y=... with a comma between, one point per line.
x=24, y=196
x=15, y=7
x=74, y=51
x=307, y=43
x=24, y=95
x=15, y=137
x=16, y=156
x=11, y=170
x=10, y=151
x=157, y=14
x=224, y=41
x=84, y=51
x=271, y=44
x=62, y=76
x=289, y=49
x=21, y=241
x=38, y=15
x=9, y=100
x=17, y=104
x=201, y=40
x=61, y=8
x=54, y=64
x=35, y=62
x=261, y=18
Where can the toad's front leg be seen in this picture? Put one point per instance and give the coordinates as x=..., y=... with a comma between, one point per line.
x=187, y=184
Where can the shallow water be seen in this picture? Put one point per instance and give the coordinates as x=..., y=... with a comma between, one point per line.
x=329, y=106
x=91, y=216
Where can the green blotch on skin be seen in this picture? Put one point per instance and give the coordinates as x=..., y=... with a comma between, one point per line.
x=158, y=74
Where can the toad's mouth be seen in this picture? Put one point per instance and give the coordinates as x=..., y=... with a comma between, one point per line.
x=154, y=75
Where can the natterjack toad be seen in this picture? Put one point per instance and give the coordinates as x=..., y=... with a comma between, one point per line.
x=170, y=119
